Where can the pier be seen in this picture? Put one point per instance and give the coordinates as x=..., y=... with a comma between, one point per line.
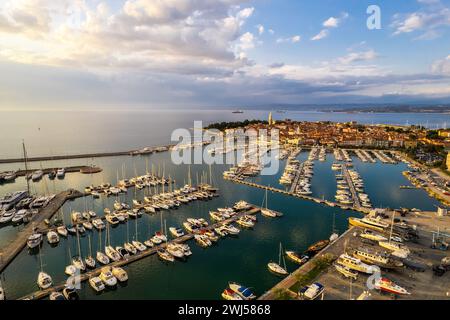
x=41, y=294
x=296, y=195
x=356, y=202
x=82, y=169
x=147, y=150
x=10, y=251
x=296, y=179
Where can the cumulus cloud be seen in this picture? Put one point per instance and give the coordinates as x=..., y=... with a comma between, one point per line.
x=152, y=35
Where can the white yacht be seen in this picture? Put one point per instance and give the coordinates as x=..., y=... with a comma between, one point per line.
x=107, y=277
x=52, y=237
x=44, y=280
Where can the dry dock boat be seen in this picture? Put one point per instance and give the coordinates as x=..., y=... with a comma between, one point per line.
x=387, y=285
x=369, y=223
x=346, y=271
x=376, y=259
x=354, y=264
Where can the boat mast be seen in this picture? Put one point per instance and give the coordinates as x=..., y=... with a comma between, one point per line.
x=90, y=249
x=26, y=166
x=392, y=226
x=78, y=243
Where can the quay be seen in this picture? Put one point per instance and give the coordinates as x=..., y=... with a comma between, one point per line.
x=41, y=294
x=147, y=150
x=296, y=178
x=11, y=250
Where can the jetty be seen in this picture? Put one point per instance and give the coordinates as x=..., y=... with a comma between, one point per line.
x=82, y=169
x=356, y=202
x=41, y=294
x=143, y=151
x=12, y=249
x=304, y=197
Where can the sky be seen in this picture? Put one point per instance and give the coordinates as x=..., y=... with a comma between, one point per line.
x=171, y=53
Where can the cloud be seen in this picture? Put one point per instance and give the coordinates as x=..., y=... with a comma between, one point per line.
x=260, y=29
x=441, y=66
x=293, y=39
x=322, y=34
x=359, y=57
x=197, y=36
x=333, y=22
x=429, y=20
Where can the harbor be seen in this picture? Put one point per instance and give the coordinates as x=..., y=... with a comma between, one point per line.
x=278, y=198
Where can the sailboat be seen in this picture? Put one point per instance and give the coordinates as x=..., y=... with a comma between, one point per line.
x=276, y=267
x=101, y=257
x=136, y=243
x=267, y=212
x=334, y=236
x=128, y=246
x=77, y=261
x=44, y=281
x=109, y=250
x=90, y=261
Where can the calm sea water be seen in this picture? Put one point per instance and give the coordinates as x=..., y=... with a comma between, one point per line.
x=207, y=271
x=88, y=131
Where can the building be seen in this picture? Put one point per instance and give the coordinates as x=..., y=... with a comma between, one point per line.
x=270, y=119
x=448, y=161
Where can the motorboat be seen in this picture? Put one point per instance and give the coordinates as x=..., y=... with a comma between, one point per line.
x=120, y=274
x=232, y=230
x=107, y=277
x=312, y=291
x=202, y=240
x=98, y=224
x=71, y=229
x=368, y=223
x=176, y=232
x=71, y=270
x=60, y=173
x=229, y=294
x=7, y=216
x=369, y=235
x=44, y=280
x=52, y=237
x=37, y=175
x=70, y=294
x=18, y=217
x=112, y=219
x=299, y=259
x=387, y=285
x=175, y=250
x=34, y=240
x=56, y=296
x=97, y=284
x=164, y=255
x=244, y=292
x=318, y=246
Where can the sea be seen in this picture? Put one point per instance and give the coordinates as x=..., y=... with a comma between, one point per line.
x=206, y=273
